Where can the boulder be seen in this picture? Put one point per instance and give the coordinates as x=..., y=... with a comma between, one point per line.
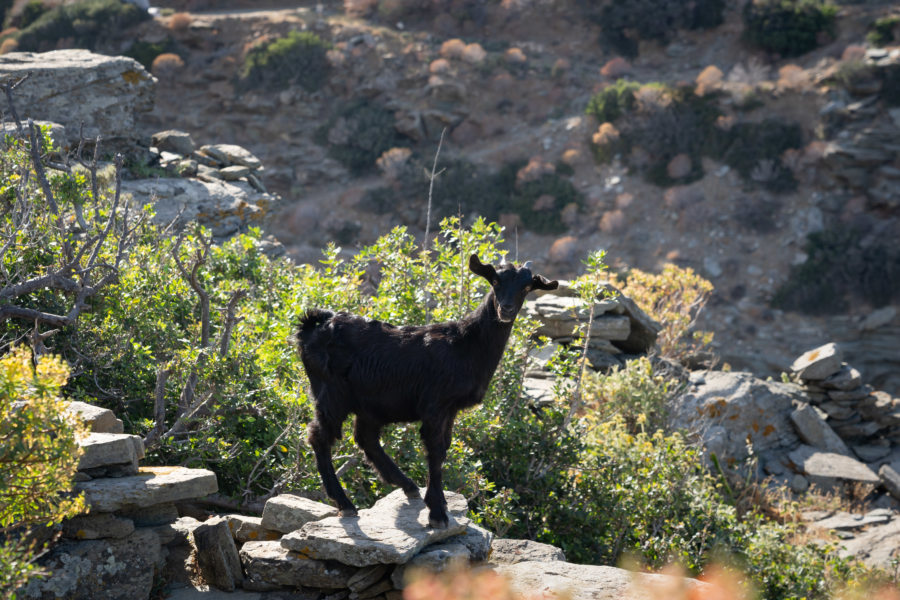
x=75, y=87
x=590, y=582
x=819, y=363
x=850, y=521
x=173, y=140
x=391, y=532
x=225, y=207
x=289, y=512
x=234, y=172
x=478, y=540
x=98, y=420
x=217, y=556
x=108, y=569
x=152, y=485
x=728, y=409
x=272, y=563
x=231, y=154
x=877, y=546
x=813, y=430
x=250, y=529
x=509, y=552
x=891, y=480
x=826, y=469
x=151, y=516
x=434, y=559
x=846, y=379
x=644, y=329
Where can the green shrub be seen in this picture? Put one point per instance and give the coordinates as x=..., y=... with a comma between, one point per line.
x=752, y=147
x=146, y=52
x=300, y=57
x=358, y=133
x=840, y=267
x=882, y=31
x=84, y=22
x=613, y=101
x=787, y=27
x=625, y=22
x=30, y=13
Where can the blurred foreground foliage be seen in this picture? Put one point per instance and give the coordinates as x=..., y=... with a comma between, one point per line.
x=203, y=331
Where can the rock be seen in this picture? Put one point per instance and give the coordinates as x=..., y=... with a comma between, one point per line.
x=871, y=452
x=367, y=577
x=225, y=207
x=288, y=512
x=850, y=521
x=799, y=483
x=202, y=592
x=877, y=546
x=729, y=409
x=98, y=420
x=75, y=87
x=851, y=395
x=109, y=569
x=478, y=540
x=231, y=154
x=588, y=582
x=878, y=318
x=891, y=480
x=234, y=172
x=816, y=432
x=434, y=559
x=509, y=552
x=270, y=562
x=173, y=140
x=539, y=391
x=102, y=449
x=846, y=379
x=186, y=168
x=152, y=485
x=181, y=531
x=151, y=516
x=826, y=469
x=217, y=556
x=250, y=529
x=97, y=526
x=644, y=329
x=391, y=532
x=819, y=363
x=560, y=316
x=836, y=410
x=57, y=134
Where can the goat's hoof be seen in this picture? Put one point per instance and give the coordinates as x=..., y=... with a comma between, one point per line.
x=438, y=522
x=348, y=513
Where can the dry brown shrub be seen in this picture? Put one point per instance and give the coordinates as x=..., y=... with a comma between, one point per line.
x=453, y=48
x=564, y=249
x=534, y=170
x=439, y=65
x=853, y=52
x=571, y=156
x=359, y=8
x=544, y=202
x=793, y=78
x=680, y=197
x=166, y=64
x=612, y=221
x=393, y=163
x=652, y=98
x=708, y=80
x=515, y=56
x=9, y=45
x=560, y=67
x=605, y=134
x=180, y=21
x=624, y=200
x=473, y=53
x=615, y=68
x=680, y=166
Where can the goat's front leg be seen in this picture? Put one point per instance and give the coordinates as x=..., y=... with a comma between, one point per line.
x=367, y=432
x=437, y=440
x=321, y=437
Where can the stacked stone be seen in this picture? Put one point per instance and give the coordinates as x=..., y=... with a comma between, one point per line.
x=866, y=419
x=228, y=162
x=113, y=550
x=619, y=330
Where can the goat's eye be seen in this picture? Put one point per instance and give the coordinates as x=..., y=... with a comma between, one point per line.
x=495, y=282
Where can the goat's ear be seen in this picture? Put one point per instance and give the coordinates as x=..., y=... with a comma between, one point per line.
x=539, y=282
x=486, y=271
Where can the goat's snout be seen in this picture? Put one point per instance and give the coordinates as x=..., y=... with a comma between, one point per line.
x=507, y=312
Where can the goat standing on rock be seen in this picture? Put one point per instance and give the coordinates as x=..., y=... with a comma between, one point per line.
x=388, y=374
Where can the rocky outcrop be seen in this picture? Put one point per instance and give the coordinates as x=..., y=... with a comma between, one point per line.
x=71, y=87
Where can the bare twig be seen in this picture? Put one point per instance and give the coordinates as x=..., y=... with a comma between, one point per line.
x=431, y=188
x=230, y=321
x=159, y=406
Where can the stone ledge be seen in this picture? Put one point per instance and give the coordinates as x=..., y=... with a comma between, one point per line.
x=152, y=485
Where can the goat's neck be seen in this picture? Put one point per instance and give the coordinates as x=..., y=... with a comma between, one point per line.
x=484, y=325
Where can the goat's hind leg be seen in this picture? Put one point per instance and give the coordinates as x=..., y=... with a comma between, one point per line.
x=367, y=433
x=322, y=433
x=437, y=440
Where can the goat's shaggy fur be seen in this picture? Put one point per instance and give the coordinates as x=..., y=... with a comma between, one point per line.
x=388, y=374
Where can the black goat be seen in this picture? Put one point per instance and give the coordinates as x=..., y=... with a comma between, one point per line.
x=387, y=374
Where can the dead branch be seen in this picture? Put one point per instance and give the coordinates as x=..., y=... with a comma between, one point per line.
x=230, y=321
x=159, y=406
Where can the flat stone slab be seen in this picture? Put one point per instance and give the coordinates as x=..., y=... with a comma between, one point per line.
x=152, y=485
x=589, y=582
x=850, y=521
x=99, y=420
x=270, y=562
x=510, y=552
x=97, y=526
x=827, y=467
x=813, y=430
x=391, y=532
x=250, y=529
x=103, y=449
x=289, y=512
x=819, y=363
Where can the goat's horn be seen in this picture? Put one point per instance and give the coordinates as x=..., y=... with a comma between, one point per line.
x=527, y=265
